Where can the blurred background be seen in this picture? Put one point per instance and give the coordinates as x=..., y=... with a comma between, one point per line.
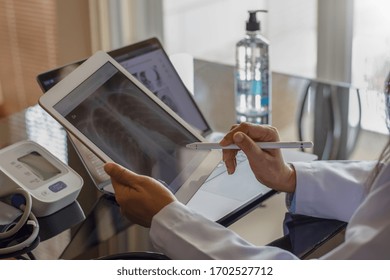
x=336, y=40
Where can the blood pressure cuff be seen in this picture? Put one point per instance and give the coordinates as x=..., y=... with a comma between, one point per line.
x=8, y=215
x=24, y=233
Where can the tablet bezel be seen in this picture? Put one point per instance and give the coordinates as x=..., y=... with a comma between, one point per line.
x=84, y=71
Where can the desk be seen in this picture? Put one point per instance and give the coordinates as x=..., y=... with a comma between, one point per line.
x=104, y=231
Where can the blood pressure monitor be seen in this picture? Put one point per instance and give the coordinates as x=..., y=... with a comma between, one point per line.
x=51, y=184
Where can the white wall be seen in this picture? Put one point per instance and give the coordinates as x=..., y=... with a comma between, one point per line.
x=209, y=30
x=293, y=36
x=206, y=29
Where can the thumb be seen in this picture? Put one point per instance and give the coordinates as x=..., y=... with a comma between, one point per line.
x=246, y=144
x=120, y=174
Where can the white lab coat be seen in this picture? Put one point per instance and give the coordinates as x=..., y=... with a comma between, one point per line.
x=335, y=190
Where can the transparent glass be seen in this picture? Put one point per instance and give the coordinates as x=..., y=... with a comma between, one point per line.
x=252, y=84
x=371, y=60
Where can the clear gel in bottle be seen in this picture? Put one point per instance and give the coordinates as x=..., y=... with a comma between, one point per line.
x=252, y=75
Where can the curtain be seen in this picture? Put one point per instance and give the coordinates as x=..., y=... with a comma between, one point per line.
x=36, y=36
x=28, y=45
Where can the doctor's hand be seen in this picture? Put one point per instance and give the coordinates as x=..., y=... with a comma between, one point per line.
x=139, y=197
x=267, y=165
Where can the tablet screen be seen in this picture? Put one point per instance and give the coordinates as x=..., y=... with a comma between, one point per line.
x=130, y=128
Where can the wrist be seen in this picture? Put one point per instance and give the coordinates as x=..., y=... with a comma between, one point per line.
x=291, y=179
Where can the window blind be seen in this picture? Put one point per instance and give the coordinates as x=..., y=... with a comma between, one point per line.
x=28, y=46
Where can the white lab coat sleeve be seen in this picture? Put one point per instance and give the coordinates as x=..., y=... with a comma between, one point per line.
x=180, y=233
x=368, y=231
x=332, y=190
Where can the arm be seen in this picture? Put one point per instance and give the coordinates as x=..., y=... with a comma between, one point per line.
x=182, y=234
x=176, y=230
x=331, y=190
x=322, y=189
x=175, y=226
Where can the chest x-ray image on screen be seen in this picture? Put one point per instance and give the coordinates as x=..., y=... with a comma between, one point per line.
x=133, y=131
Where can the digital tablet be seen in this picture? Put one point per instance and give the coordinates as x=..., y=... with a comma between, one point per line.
x=122, y=121
x=149, y=63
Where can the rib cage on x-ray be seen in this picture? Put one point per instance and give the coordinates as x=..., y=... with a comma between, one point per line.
x=133, y=130
x=131, y=133
x=101, y=125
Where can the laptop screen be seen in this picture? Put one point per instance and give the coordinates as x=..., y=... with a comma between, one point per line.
x=148, y=62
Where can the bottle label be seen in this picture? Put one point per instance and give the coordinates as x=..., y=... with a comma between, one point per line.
x=256, y=88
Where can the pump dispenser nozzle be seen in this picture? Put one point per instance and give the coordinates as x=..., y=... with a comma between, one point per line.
x=253, y=24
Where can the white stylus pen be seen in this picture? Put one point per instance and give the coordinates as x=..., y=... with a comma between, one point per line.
x=262, y=145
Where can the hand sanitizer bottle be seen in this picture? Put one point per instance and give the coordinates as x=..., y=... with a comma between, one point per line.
x=252, y=75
